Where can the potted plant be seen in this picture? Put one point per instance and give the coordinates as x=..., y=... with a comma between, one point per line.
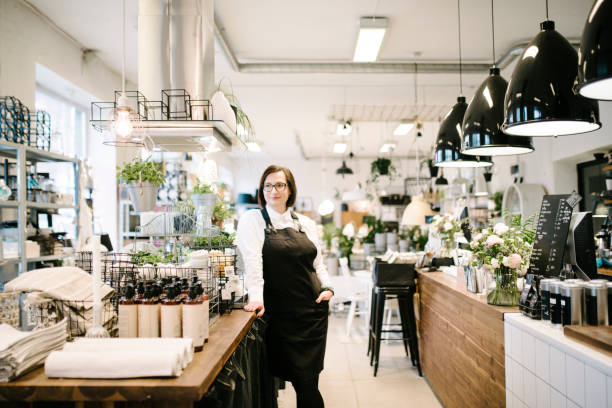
x=369, y=248
x=143, y=178
x=221, y=212
x=244, y=126
x=204, y=198
x=403, y=239
x=381, y=167
x=433, y=170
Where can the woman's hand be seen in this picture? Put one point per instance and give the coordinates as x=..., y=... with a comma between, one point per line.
x=325, y=295
x=256, y=307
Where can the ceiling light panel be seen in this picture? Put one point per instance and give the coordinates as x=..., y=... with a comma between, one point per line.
x=340, y=148
x=371, y=34
x=403, y=129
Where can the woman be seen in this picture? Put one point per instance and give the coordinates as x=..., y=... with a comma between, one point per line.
x=287, y=279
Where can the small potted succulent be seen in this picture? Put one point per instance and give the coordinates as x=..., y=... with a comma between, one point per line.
x=142, y=178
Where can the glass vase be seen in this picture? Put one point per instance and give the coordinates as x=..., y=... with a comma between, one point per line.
x=447, y=250
x=505, y=292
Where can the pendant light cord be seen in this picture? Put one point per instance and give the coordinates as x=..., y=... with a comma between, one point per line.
x=493, y=30
x=123, y=59
x=546, y=10
x=460, y=59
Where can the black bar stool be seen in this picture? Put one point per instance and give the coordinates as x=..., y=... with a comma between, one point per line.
x=404, y=294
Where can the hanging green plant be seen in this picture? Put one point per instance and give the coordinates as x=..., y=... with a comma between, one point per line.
x=382, y=167
x=141, y=171
x=245, y=131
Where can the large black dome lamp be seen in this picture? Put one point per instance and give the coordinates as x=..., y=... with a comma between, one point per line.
x=540, y=100
x=595, y=55
x=448, y=144
x=483, y=119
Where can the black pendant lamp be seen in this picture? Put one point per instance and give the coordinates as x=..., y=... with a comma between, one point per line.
x=482, y=133
x=595, y=55
x=344, y=169
x=540, y=100
x=447, y=151
x=441, y=181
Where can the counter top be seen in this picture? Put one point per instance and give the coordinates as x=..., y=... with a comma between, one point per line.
x=554, y=336
x=450, y=282
x=225, y=335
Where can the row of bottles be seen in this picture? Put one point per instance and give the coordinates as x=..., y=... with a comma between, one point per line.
x=179, y=310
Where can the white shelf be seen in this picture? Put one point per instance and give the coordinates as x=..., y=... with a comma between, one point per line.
x=49, y=206
x=9, y=149
x=9, y=204
x=38, y=259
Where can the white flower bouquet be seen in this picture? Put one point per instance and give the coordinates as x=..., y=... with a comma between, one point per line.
x=504, y=250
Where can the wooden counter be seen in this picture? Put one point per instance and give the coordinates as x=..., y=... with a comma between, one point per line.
x=461, y=343
x=225, y=335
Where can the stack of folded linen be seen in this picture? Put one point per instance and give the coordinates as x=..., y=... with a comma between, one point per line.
x=120, y=358
x=22, y=351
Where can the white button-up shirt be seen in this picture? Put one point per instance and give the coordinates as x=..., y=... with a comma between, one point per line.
x=250, y=238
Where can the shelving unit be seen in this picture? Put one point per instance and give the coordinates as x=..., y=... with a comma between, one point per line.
x=25, y=155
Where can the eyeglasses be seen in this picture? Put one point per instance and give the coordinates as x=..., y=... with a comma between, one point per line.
x=278, y=186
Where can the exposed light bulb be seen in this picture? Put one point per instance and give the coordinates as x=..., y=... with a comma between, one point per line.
x=123, y=125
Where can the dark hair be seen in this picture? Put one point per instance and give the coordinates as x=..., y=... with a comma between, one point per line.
x=290, y=184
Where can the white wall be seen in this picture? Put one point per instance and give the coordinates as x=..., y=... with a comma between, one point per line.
x=27, y=40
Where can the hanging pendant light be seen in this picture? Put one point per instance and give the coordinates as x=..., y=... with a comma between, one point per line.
x=448, y=144
x=441, y=181
x=540, y=100
x=482, y=133
x=595, y=55
x=122, y=126
x=344, y=169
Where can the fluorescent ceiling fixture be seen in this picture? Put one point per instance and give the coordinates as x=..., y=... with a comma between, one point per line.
x=551, y=128
x=403, y=129
x=387, y=147
x=344, y=128
x=371, y=33
x=340, y=147
x=253, y=147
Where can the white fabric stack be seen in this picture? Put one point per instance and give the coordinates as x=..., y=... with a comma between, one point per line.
x=121, y=358
x=22, y=351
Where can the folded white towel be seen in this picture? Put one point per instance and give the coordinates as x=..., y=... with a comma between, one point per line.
x=183, y=346
x=113, y=364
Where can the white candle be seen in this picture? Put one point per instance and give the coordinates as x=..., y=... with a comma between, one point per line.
x=96, y=279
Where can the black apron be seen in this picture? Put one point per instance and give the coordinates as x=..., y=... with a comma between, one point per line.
x=297, y=330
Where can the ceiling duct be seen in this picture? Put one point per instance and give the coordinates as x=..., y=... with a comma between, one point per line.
x=176, y=52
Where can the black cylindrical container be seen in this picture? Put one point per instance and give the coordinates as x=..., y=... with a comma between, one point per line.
x=545, y=296
x=555, y=303
x=596, y=302
x=571, y=303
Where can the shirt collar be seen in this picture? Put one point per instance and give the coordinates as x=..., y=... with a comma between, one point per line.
x=276, y=215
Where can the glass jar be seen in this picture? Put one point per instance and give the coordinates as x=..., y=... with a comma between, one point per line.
x=505, y=292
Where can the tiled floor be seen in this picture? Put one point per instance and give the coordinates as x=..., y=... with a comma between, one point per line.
x=348, y=382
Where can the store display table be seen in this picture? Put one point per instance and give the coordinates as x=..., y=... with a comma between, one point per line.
x=183, y=391
x=461, y=343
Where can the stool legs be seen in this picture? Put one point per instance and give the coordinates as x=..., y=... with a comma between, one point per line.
x=371, y=321
x=380, y=306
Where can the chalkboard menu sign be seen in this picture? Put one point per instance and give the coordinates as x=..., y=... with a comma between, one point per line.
x=551, y=234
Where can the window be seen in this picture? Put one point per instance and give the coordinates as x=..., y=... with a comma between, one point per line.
x=68, y=123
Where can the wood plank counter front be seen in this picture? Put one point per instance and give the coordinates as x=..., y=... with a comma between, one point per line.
x=461, y=343
x=225, y=335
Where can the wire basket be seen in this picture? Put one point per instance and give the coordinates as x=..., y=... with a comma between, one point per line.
x=78, y=314
x=9, y=308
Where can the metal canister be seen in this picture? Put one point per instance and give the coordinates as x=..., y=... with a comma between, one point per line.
x=596, y=303
x=555, y=302
x=545, y=297
x=571, y=303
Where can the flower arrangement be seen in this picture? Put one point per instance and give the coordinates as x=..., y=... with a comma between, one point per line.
x=504, y=250
x=446, y=226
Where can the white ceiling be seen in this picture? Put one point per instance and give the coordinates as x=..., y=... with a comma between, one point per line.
x=282, y=105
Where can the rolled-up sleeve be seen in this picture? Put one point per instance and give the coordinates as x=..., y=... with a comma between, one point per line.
x=250, y=238
x=319, y=262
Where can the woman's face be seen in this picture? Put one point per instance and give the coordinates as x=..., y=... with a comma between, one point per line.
x=278, y=195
